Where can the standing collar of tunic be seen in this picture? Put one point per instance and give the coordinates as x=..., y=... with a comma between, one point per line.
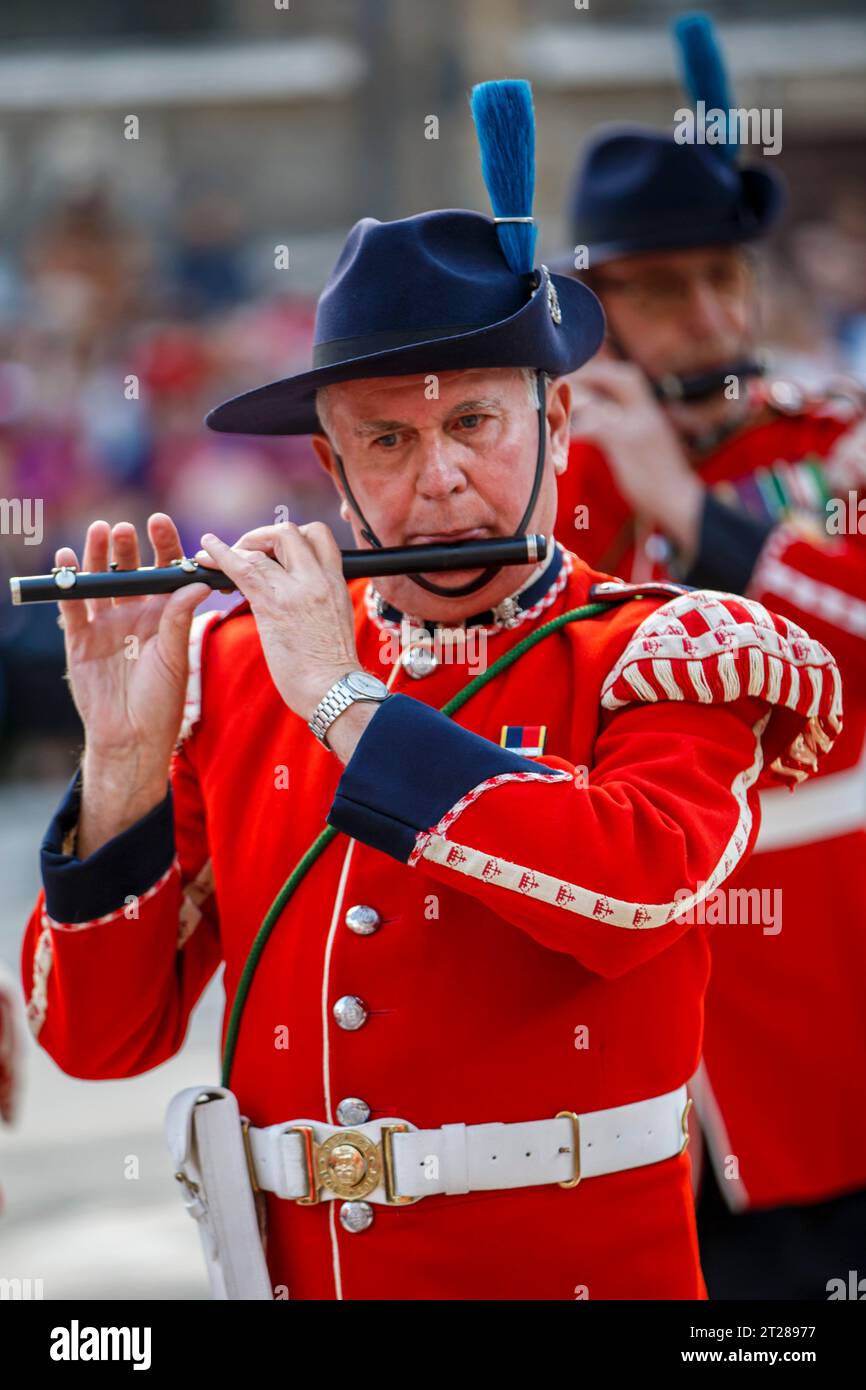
x=534, y=596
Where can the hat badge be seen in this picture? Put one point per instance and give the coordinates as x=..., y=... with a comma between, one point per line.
x=553, y=305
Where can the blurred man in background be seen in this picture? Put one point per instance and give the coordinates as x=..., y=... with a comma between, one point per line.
x=10, y=1053
x=686, y=464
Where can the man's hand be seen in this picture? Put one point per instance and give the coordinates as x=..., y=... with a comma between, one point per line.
x=614, y=407
x=293, y=578
x=127, y=666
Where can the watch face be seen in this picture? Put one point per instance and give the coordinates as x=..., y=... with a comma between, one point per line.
x=361, y=683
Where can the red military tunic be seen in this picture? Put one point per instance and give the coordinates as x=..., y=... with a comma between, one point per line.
x=516, y=905
x=780, y=1088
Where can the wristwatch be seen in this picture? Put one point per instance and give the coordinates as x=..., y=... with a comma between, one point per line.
x=357, y=685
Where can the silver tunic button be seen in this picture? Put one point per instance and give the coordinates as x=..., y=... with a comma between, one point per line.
x=659, y=549
x=356, y=1216
x=350, y=1012
x=353, y=1111
x=419, y=659
x=363, y=920
x=786, y=395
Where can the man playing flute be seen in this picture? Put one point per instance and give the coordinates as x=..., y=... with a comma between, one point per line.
x=463, y=1049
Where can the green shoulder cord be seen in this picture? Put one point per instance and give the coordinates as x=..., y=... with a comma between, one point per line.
x=589, y=610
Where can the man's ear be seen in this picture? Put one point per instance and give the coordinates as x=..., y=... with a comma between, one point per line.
x=559, y=422
x=324, y=453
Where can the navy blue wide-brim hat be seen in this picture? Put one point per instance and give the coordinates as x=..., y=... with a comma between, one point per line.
x=429, y=293
x=637, y=189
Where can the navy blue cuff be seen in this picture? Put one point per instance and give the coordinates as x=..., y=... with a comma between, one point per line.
x=729, y=546
x=78, y=890
x=410, y=766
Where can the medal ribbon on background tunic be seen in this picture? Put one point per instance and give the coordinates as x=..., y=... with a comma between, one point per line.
x=778, y=491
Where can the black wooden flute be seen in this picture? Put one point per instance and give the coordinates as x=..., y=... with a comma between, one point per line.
x=65, y=582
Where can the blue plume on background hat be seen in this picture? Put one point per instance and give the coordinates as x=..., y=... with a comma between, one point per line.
x=441, y=291
x=703, y=71
x=637, y=189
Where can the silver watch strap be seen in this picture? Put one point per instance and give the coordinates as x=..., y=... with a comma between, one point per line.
x=337, y=699
x=333, y=703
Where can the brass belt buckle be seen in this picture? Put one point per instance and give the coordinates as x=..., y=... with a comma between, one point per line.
x=312, y=1196
x=347, y=1164
x=258, y=1195
x=350, y=1165
x=391, y=1197
x=684, y=1126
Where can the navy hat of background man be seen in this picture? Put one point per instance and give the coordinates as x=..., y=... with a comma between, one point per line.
x=637, y=189
x=441, y=291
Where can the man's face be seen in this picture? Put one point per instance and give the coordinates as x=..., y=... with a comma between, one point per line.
x=679, y=311
x=456, y=467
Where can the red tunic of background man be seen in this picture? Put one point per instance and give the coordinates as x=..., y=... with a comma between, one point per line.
x=542, y=908
x=784, y=1031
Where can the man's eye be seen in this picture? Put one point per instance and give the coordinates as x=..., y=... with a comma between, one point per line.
x=725, y=277
x=387, y=441
x=469, y=422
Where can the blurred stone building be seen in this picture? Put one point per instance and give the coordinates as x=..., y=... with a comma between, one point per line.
x=302, y=115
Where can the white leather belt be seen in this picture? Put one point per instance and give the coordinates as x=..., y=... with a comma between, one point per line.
x=392, y=1161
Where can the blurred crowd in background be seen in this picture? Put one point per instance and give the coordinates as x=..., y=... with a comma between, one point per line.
x=90, y=305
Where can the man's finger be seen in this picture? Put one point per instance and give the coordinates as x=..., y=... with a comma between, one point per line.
x=596, y=419
x=221, y=553
x=176, y=617
x=619, y=381
x=260, y=537
x=96, y=544
x=125, y=554
x=324, y=545
x=266, y=540
x=73, y=615
x=233, y=562
x=292, y=548
x=164, y=538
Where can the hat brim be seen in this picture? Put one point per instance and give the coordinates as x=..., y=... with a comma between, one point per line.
x=758, y=207
x=528, y=338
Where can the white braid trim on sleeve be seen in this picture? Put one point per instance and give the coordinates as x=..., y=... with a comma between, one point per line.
x=133, y=901
x=581, y=899
x=772, y=574
x=443, y=825
x=43, y=959
x=194, y=895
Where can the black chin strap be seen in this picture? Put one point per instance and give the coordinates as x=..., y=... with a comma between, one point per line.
x=699, y=386
x=696, y=386
x=485, y=577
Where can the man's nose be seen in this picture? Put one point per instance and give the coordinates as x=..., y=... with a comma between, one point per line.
x=440, y=471
x=707, y=311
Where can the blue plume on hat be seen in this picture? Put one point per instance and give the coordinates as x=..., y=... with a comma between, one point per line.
x=703, y=69
x=505, y=125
